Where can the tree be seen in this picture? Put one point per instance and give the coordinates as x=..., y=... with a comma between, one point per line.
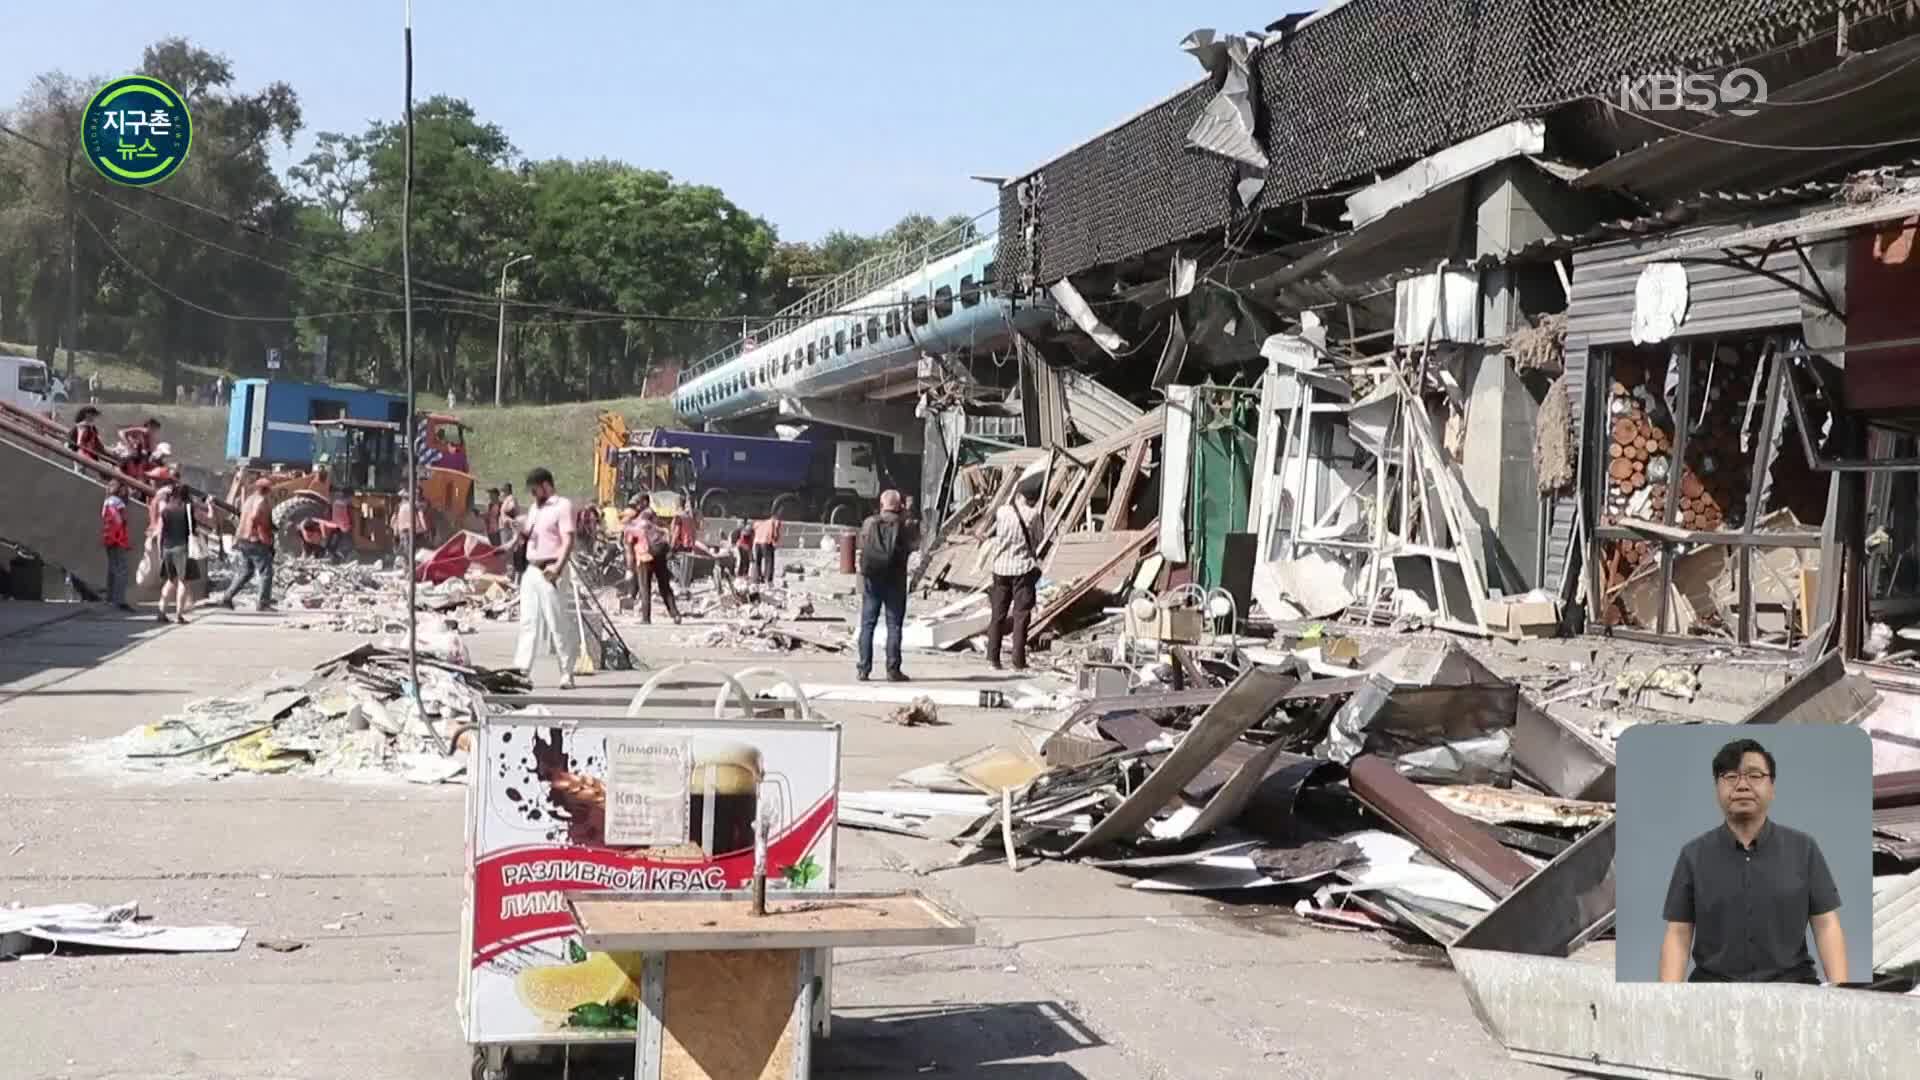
x=631, y=268
x=37, y=225
x=169, y=269
x=468, y=205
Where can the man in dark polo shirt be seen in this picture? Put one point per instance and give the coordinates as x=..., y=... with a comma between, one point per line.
x=1744, y=893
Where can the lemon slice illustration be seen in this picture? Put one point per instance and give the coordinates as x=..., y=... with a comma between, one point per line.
x=553, y=992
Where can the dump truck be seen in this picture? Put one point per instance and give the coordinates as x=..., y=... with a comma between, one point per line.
x=837, y=481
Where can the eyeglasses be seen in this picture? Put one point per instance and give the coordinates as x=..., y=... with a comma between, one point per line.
x=1753, y=776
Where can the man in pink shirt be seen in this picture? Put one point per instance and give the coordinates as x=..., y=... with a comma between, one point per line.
x=546, y=592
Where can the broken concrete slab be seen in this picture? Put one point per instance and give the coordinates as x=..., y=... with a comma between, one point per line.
x=1825, y=693
x=1572, y=1015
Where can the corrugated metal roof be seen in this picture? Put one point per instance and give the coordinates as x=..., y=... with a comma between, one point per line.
x=1720, y=299
x=1896, y=923
x=1095, y=411
x=1826, y=219
x=1901, y=821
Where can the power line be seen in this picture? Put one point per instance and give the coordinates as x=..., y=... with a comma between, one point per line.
x=231, y=316
x=269, y=263
x=1745, y=145
x=452, y=290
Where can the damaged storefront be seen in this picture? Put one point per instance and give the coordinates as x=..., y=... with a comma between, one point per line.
x=1702, y=527
x=1748, y=437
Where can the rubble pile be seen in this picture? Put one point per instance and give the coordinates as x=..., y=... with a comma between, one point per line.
x=1407, y=788
x=781, y=616
x=370, y=598
x=354, y=715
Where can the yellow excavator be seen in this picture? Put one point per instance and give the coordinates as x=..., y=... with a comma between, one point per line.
x=622, y=469
x=345, y=502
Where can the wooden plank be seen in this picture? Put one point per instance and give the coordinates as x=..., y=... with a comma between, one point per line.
x=1077, y=555
x=729, y=1015
x=1065, y=602
x=676, y=922
x=1118, y=503
x=1077, y=509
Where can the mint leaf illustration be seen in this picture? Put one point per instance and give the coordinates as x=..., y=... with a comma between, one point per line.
x=575, y=952
x=803, y=873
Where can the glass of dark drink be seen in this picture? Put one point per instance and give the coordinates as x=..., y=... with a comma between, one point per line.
x=725, y=797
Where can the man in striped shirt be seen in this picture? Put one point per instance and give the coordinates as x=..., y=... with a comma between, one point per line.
x=1016, y=574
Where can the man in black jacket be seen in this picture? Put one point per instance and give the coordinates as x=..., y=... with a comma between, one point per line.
x=886, y=540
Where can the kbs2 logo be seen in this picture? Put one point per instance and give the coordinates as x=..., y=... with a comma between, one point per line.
x=1739, y=92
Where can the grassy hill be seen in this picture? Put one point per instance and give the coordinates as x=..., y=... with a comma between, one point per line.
x=505, y=442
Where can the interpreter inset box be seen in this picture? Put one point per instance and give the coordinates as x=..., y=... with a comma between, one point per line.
x=1744, y=854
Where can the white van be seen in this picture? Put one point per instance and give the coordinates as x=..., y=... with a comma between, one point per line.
x=25, y=384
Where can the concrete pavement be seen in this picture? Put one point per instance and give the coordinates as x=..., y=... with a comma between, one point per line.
x=1074, y=974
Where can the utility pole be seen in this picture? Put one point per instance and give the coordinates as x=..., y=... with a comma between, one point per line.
x=73, y=278
x=500, y=354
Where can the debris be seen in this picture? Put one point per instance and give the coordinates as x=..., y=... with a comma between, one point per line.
x=1250, y=699
x=1458, y=842
x=354, y=714
x=117, y=927
x=882, y=694
x=997, y=768
x=920, y=711
x=1497, y=806
x=280, y=945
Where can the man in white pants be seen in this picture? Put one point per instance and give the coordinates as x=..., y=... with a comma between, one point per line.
x=546, y=593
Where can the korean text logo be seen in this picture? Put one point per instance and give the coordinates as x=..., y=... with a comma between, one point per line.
x=1739, y=92
x=136, y=131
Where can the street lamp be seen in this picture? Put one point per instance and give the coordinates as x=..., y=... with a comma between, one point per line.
x=500, y=355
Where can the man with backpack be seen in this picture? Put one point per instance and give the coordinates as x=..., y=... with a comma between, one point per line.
x=1016, y=574
x=886, y=540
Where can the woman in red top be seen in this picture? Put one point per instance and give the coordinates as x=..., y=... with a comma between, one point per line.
x=85, y=436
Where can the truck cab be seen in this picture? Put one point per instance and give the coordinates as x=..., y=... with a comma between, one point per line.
x=856, y=468
x=26, y=384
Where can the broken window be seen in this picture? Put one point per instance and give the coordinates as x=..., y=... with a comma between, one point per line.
x=1694, y=438
x=943, y=301
x=969, y=291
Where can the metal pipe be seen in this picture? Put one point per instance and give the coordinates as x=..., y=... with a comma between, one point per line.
x=759, y=867
x=413, y=404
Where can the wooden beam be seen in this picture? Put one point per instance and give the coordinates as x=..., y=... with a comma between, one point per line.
x=1120, y=503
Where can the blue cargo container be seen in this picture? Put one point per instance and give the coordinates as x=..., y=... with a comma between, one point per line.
x=271, y=422
x=747, y=462
x=820, y=479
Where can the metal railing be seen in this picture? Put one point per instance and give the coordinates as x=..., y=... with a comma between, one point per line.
x=846, y=287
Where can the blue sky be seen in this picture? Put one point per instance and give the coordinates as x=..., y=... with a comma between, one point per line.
x=814, y=115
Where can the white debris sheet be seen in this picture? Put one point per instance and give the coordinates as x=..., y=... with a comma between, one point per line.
x=116, y=927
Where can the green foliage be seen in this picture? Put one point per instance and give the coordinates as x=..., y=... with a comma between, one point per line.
x=612, y=1016
x=803, y=873
x=316, y=257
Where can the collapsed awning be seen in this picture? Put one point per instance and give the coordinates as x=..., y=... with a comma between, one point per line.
x=1832, y=218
